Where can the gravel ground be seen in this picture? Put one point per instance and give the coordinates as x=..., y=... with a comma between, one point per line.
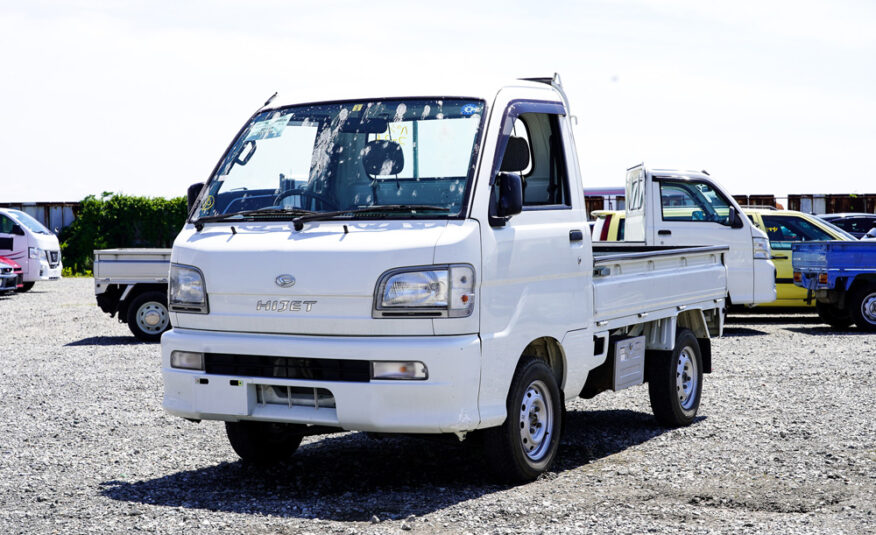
x=785, y=443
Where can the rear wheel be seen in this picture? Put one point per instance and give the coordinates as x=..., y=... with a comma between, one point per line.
x=525, y=445
x=27, y=286
x=833, y=316
x=263, y=443
x=863, y=307
x=148, y=317
x=675, y=381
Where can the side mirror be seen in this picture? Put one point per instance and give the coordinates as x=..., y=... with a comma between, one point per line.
x=17, y=230
x=508, y=199
x=735, y=219
x=192, y=194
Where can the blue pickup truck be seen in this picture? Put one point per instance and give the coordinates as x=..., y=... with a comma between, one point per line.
x=841, y=277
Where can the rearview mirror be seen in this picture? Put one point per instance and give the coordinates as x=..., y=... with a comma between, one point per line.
x=508, y=198
x=734, y=218
x=192, y=194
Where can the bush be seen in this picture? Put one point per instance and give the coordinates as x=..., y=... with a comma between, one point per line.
x=119, y=221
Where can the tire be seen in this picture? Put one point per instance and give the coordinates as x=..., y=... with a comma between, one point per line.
x=863, y=307
x=830, y=314
x=263, y=443
x=675, y=381
x=525, y=445
x=148, y=317
x=27, y=287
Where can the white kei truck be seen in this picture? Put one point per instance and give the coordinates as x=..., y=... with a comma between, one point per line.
x=132, y=283
x=422, y=265
x=671, y=207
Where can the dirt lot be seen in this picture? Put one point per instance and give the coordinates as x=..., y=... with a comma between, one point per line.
x=785, y=443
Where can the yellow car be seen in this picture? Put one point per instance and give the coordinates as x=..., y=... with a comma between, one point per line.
x=784, y=227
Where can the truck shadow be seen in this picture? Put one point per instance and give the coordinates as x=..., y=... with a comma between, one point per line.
x=352, y=477
x=824, y=330
x=106, y=341
x=742, y=331
x=772, y=319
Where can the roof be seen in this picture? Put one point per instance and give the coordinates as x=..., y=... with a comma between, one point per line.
x=482, y=89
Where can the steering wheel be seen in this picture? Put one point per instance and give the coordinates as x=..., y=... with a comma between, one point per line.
x=305, y=193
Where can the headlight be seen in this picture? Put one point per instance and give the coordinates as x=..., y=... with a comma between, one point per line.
x=427, y=291
x=186, y=291
x=33, y=252
x=761, y=247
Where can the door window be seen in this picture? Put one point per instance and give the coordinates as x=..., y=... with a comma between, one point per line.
x=693, y=201
x=783, y=230
x=545, y=178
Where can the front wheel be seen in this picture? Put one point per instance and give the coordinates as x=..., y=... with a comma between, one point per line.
x=525, y=445
x=263, y=443
x=863, y=306
x=675, y=381
x=26, y=287
x=148, y=317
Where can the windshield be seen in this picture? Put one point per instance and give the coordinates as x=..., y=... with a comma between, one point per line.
x=28, y=221
x=351, y=156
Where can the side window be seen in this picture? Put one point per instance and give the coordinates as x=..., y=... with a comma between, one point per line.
x=784, y=230
x=543, y=169
x=693, y=201
x=5, y=224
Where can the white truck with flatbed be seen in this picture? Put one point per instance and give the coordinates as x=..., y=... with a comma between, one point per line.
x=132, y=283
x=422, y=265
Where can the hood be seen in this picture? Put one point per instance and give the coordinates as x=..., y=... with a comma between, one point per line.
x=48, y=242
x=335, y=265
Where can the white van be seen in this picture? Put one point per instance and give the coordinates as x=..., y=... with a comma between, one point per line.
x=33, y=246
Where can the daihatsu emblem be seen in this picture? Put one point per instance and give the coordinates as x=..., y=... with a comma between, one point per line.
x=285, y=280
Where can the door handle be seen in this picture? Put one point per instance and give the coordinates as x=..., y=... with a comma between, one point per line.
x=576, y=235
x=775, y=256
x=664, y=232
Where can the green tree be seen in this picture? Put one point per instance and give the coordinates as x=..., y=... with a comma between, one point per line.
x=119, y=221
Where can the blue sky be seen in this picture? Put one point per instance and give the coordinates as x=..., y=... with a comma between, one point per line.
x=142, y=97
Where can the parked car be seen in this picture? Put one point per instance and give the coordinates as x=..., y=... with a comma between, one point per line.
x=8, y=278
x=33, y=246
x=133, y=284
x=841, y=276
x=858, y=224
x=16, y=269
x=784, y=228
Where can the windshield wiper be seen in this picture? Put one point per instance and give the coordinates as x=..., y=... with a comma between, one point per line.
x=298, y=222
x=270, y=210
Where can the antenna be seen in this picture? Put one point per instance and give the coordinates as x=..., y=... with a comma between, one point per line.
x=270, y=99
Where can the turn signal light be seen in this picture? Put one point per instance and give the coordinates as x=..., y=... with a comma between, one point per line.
x=822, y=278
x=798, y=277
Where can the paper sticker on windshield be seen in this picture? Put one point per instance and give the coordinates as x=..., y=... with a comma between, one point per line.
x=268, y=129
x=470, y=109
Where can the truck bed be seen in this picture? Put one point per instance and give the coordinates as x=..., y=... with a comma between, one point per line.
x=635, y=281
x=840, y=260
x=131, y=266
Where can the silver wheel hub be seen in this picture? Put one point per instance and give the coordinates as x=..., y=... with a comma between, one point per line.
x=868, y=307
x=686, y=379
x=536, y=421
x=152, y=317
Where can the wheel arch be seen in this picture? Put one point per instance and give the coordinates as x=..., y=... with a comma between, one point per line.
x=549, y=350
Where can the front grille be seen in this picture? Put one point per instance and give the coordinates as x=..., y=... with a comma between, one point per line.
x=358, y=371
x=54, y=258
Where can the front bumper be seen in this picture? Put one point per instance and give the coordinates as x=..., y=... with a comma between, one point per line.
x=446, y=402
